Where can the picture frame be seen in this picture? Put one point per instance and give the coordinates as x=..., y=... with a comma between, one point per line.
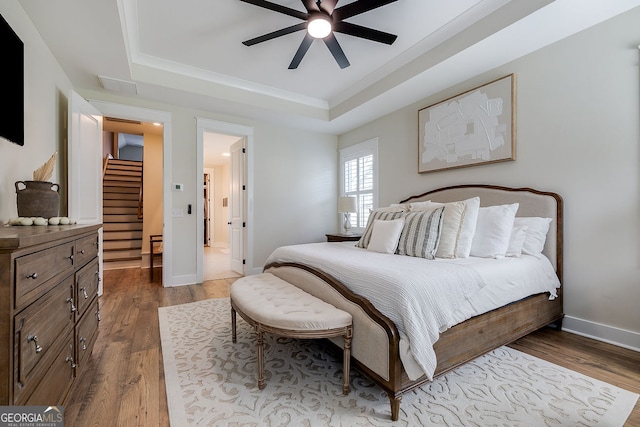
x=473, y=128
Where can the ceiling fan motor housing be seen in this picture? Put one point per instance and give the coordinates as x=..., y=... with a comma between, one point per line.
x=319, y=24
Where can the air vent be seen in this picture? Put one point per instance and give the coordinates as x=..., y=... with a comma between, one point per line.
x=114, y=119
x=117, y=85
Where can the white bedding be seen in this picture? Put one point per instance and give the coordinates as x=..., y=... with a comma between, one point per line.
x=402, y=286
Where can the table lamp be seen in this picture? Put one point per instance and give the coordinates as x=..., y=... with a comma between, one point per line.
x=347, y=205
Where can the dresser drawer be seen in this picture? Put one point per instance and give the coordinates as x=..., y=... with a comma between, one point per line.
x=87, y=332
x=56, y=382
x=37, y=331
x=86, y=285
x=40, y=271
x=86, y=249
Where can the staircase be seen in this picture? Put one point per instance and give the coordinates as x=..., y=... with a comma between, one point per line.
x=121, y=218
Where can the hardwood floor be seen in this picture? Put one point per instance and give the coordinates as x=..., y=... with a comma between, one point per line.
x=124, y=380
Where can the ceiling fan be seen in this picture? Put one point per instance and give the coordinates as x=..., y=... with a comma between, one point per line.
x=321, y=21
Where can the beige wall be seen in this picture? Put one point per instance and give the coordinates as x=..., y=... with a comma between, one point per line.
x=152, y=191
x=578, y=111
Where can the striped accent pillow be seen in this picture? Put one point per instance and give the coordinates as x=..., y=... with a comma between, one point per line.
x=373, y=216
x=421, y=234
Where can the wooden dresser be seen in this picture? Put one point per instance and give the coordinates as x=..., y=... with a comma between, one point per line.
x=49, y=310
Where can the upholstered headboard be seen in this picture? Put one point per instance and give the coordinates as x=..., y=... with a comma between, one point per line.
x=532, y=203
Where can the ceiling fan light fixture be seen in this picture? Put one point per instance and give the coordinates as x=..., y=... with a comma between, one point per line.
x=319, y=26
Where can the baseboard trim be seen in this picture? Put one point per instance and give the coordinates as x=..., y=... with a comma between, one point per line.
x=189, y=279
x=605, y=333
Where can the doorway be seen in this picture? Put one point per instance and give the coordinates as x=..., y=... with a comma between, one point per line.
x=216, y=184
x=132, y=194
x=127, y=113
x=229, y=251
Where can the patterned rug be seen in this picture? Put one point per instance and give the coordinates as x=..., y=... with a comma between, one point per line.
x=212, y=382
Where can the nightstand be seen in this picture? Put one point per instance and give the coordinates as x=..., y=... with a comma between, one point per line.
x=343, y=237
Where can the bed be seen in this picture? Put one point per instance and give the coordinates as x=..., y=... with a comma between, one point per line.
x=385, y=344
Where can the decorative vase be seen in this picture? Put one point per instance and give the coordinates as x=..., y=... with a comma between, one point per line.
x=37, y=198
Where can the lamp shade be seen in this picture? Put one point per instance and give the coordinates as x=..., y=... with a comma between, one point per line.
x=347, y=204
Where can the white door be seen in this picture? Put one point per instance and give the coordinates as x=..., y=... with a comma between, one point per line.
x=237, y=221
x=85, y=166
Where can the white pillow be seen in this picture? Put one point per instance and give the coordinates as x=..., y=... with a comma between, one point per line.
x=518, y=234
x=385, y=235
x=537, y=229
x=469, y=225
x=373, y=216
x=493, y=230
x=420, y=206
x=394, y=207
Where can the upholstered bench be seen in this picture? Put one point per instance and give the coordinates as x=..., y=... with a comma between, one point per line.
x=275, y=306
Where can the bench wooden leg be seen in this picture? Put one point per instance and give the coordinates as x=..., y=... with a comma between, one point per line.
x=260, y=359
x=346, y=362
x=395, y=406
x=233, y=325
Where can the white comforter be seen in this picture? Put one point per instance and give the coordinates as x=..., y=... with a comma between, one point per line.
x=403, y=288
x=419, y=296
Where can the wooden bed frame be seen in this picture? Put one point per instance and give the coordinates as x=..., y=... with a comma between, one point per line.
x=375, y=350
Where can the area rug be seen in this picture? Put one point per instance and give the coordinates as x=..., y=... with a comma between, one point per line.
x=212, y=382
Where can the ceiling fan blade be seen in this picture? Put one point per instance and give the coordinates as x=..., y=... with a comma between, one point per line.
x=302, y=50
x=278, y=8
x=336, y=50
x=311, y=6
x=364, y=32
x=273, y=35
x=358, y=7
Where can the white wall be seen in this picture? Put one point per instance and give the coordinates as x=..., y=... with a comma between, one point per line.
x=578, y=111
x=46, y=89
x=296, y=187
x=221, y=213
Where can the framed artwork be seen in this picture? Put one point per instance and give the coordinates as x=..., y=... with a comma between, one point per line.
x=472, y=128
x=12, y=109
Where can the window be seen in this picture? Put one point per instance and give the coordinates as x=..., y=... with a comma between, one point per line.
x=359, y=178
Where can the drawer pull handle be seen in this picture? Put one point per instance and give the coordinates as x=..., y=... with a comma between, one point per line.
x=73, y=307
x=82, y=252
x=70, y=257
x=70, y=360
x=84, y=293
x=34, y=338
x=32, y=276
x=98, y=315
x=83, y=340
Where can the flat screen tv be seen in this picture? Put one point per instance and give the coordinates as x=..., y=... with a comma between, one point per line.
x=12, y=54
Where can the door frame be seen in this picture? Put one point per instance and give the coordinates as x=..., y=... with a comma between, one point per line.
x=130, y=112
x=209, y=125
x=84, y=155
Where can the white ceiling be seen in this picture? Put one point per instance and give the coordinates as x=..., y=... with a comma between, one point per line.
x=190, y=52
